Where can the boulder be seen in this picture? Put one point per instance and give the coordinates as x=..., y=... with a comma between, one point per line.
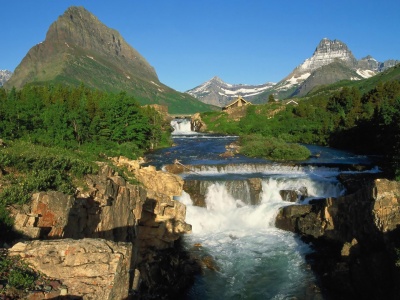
x=160, y=182
x=288, y=195
x=89, y=268
x=197, y=123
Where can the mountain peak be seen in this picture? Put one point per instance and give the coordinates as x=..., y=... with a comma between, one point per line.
x=216, y=79
x=78, y=40
x=327, y=52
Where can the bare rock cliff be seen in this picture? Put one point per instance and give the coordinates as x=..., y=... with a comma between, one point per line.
x=141, y=220
x=356, y=238
x=90, y=268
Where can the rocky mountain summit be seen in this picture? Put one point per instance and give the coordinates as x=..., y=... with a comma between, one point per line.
x=4, y=76
x=78, y=39
x=343, y=65
x=217, y=92
x=331, y=61
x=80, y=49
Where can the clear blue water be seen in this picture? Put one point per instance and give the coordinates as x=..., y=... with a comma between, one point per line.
x=253, y=259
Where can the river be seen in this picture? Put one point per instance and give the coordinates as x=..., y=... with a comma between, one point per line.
x=251, y=258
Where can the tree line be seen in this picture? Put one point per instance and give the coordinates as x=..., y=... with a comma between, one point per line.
x=76, y=117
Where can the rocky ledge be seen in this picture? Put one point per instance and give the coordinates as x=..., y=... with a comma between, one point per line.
x=356, y=239
x=113, y=238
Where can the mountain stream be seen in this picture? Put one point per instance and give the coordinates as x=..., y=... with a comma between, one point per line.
x=249, y=257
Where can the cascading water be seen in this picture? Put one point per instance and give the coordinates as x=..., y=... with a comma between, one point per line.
x=181, y=126
x=254, y=259
x=251, y=258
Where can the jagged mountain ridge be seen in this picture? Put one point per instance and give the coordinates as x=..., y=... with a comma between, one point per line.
x=4, y=76
x=217, y=92
x=80, y=49
x=331, y=61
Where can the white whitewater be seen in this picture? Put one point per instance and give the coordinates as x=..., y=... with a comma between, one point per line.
x=255, y=259
x=181, y=126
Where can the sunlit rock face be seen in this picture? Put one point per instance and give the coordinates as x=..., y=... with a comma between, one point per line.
x=135, y=222
x=89, y=268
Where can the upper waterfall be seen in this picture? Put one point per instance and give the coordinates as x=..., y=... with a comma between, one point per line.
x=182, y=126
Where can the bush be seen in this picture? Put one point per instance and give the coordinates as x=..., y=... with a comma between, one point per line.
x=272, y=148
x=15, y=273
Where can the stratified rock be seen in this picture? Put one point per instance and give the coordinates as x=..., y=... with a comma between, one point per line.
x=365, y=214
x=355, y=237
x=160, y=182
x=90, y=268
x=115, y=210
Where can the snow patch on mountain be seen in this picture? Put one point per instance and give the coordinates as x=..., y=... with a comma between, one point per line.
x=365, y=73
x=4, y=76
x=217, y=92
x=292, y=81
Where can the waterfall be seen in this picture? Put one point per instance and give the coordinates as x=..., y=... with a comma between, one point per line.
x=232, y=204
x=257, y=260
x=182, y=126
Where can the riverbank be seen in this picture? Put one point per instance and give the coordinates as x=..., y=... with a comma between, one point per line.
x=355, y=238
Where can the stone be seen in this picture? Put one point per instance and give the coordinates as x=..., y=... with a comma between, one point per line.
x=288, y=195
x=349, y=247
x=197, y=123
x=90, y=268
x=255, y=185
x=159, y=181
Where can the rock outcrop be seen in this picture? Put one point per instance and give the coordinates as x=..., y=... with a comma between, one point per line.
x=89, y=268
x=249, y=189
x=356, y=238
x=197, y=123
x=144, y=215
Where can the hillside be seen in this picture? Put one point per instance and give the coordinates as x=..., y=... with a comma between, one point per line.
x=79, y=48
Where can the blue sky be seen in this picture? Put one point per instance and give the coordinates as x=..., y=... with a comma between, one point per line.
x=241, y=41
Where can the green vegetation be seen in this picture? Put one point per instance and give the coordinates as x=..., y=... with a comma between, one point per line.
x=52, y=135
x=16, y=276
x=272, y=148
x=79, y=118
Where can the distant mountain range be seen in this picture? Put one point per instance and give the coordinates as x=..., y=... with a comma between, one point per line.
x=331, y=61
x=80, y=49
x=4, y=76
x=219, y=93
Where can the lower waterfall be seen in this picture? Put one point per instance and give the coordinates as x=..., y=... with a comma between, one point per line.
x=253, y=259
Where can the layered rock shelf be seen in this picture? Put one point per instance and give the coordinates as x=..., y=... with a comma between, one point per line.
x=109, y=235
x=356, y=239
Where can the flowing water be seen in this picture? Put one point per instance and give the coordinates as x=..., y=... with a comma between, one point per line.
x=249, y=257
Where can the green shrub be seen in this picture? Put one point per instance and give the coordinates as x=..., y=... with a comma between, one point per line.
x=272, y=148
x=16, y=273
